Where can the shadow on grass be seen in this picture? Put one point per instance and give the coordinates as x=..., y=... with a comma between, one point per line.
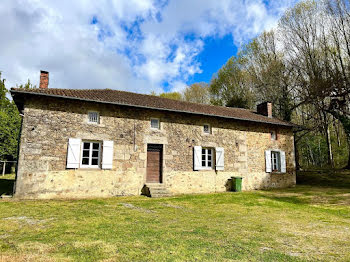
x=325, y=178
x=316, y=188
x=6, y=185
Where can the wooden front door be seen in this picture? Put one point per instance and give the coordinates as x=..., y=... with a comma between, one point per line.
x=154, y=163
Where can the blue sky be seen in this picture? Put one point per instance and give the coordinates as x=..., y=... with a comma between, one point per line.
x=216, y=52
x=135, y=45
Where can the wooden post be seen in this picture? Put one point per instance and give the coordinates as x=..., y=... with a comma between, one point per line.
x=3, y=168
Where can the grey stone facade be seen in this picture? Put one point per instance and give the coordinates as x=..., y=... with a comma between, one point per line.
x=48, y=123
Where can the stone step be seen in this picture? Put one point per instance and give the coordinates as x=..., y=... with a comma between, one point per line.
x=160, y=195
x=157, y=190
x=155, y=185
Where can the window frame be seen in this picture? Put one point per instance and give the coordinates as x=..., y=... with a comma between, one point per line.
x=98, y=117
x=276, y=161
x=209, y=129
x=275, y=135
x=206, y=158
x=90, y=154
x=155, y=128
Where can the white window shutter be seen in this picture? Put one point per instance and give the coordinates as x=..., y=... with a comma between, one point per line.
x=268, y=161
x=73, y=155
x=197, y=158
x=107, y=156
x=283, y=162
x=220, y=158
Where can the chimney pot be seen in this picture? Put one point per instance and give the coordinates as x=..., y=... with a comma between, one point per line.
x=265, y=109
x=44, y=79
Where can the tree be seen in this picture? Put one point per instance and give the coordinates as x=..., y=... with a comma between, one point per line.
x=316, y=40
x=197, y=93
x=172, y=95
x=26, y=85
x=10, y=122
x=303, y=67
x=271, y=78
x=230, y=86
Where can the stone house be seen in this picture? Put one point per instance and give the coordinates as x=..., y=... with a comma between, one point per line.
x=101, y=143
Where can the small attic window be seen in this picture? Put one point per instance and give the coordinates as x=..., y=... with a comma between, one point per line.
x=273, y=135
x=155, y=123
x=206, y=128
x=94, y=117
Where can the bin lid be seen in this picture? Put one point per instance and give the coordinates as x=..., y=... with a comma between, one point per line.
x=239, y=177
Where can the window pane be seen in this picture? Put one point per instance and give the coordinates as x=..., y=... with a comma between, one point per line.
x=154, y=123
x=86, y=145
x=85, y=161
x=203, y=151
x=203, y=157
x=95, y=153
x=206, y=128
x=209, y=163
x=93, y=117
x=95, y=145
x=85, y=153
x=275, y=159
x=273, y=135
x=209, y=157
x=94, y=161
x=203, y=163
x=278, y=159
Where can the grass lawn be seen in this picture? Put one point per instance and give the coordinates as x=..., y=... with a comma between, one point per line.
x=306, y=223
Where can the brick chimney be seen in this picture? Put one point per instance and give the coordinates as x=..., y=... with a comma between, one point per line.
x=265, y=109
x=44, y=79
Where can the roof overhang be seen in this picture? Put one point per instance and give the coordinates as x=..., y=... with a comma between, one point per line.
x=21, y=101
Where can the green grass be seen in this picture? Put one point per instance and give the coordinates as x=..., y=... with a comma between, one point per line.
x=310, y=222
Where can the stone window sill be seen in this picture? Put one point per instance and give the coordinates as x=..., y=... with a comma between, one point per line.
x=89, y=169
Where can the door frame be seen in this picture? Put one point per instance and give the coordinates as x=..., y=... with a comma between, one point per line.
x=158, y=148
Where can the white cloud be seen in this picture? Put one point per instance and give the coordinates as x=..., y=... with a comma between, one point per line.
x=135, y=45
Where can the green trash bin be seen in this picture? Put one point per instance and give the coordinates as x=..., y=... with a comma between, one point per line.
x=237, y=183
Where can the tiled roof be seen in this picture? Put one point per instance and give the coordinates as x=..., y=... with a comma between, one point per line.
x=149, y=101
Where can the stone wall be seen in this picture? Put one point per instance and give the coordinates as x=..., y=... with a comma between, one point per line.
x=48, y=124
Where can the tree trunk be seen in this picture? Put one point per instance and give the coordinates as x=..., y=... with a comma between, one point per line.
x=345, y=121
x=337, y=132
x=348, y=140
x=311, y=155
x=328, y=137
x=329, y=146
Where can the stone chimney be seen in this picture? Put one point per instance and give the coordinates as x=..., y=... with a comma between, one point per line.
x=44, y=79
x=265, y=109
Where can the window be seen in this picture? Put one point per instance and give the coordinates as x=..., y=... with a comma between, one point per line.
x=273, y=135
x=206, y=128
x=155, y=123
x=94, y=117
x=276, y=161
x=91, y=154
x=207, y=158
